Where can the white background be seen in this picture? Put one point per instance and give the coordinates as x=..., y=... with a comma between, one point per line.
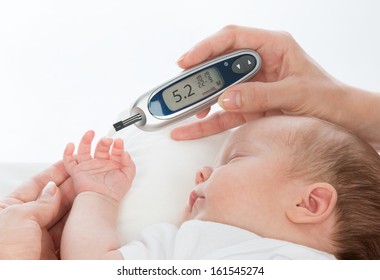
x=73, y=65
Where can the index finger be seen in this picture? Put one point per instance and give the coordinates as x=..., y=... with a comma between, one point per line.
x=214, y=124
x=227, y=39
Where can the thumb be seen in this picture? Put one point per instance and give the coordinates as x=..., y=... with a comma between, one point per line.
x=254, y=97
x=46, y=207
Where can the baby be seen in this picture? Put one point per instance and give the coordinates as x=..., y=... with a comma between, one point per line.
x=282, y=187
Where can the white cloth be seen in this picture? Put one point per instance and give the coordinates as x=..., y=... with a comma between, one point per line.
x=208, y=240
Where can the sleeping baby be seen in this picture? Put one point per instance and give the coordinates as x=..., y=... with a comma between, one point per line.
x=282, y=188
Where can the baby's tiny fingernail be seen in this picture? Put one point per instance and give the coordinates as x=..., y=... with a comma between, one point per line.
x=107, y=139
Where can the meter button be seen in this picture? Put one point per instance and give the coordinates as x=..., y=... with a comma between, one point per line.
x=238, y=66
x=249, y=62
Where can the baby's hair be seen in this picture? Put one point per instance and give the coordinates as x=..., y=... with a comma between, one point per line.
x=328, y=153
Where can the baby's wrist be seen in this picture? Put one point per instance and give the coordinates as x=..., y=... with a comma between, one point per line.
x=99, y=198
x=102, y=191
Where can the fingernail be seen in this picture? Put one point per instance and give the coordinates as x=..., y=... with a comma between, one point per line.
x=183, y=56
x=50, y=189
x=231, y=100
x=107, y=140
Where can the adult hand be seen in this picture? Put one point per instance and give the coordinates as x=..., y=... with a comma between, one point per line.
x=289, y=82
x=31, y=217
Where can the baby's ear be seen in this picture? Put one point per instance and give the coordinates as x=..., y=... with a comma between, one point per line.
x=314, y=204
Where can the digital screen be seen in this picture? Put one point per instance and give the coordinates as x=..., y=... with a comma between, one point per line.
x=193, y=88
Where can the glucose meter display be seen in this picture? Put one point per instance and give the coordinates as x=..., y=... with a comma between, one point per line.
x=193, y=88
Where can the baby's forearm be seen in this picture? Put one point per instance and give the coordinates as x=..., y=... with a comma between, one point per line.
x=90, y=231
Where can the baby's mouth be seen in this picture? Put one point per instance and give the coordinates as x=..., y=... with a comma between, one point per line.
x=194, y=196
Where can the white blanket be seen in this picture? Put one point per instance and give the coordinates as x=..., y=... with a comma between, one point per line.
x=198, y=240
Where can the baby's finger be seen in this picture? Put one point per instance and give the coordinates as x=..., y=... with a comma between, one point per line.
x=129, y=166
x=102, y=150
x=69, y=160
x=84, y=149
x=117, y=150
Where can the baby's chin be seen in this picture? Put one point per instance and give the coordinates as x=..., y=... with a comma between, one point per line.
x=188, y=215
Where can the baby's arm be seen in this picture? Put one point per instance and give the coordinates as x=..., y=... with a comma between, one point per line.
x=101, y=182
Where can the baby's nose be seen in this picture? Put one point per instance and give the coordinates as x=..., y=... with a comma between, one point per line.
x=203, y=174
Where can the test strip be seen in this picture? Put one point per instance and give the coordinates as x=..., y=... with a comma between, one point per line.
x=127, y=122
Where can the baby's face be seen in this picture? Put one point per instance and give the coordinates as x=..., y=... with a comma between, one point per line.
x=246, y=188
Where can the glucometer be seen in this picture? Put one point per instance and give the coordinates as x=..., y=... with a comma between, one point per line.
x=192, y=91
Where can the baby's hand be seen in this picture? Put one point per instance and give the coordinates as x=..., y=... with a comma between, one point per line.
x=108, y=172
